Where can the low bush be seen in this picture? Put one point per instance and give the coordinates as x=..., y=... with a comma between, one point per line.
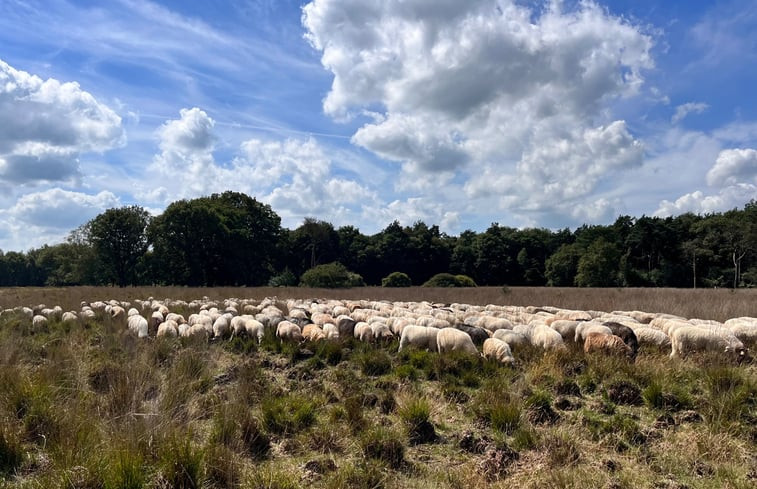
x=331, y=276
x=288, y=414
x=374, y=362
x=396, y=279
x=449, y=280
x=285, y=279
x=415, y=412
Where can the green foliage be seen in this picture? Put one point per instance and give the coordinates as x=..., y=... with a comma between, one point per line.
x=674, y=399
x=598, y=266
x=382, y=444
x=374, y=362
x=182, y=464
x=285, y=279
x=562, y=266
x=125, y=470
x=119, y=240
x=330, y=276
x=396, y=279
x=270, y=477
x=449, y=280
x=288, y=414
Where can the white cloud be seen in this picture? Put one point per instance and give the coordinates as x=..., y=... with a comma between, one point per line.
x=688, y=108
x=48, y=216
x=734, y=166
x=296, y=177
x=508, y=98
x=697, y=202
x=47, y=124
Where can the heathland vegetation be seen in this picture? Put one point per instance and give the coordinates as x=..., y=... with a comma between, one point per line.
x=88, y=404
x=232, y=239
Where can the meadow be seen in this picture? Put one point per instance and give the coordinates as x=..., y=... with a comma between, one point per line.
x=91, y=406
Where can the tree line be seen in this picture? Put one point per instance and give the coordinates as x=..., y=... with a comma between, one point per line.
x=231, y=239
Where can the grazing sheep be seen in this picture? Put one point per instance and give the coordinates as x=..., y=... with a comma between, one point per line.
x=331, y=331
x=313, y=332
x=511, y=338
x=626, y=334
x=346, y=325
x=132, y=312
x=288, y=331
x=172, y=316
x=546, y=338
x=744, y=328
x=70, y=317
x=652, y=337
x=498, y=350
x=478, y=335
x=693, y=338
x=419, y=337
x=168, y=328
x=584, y=329
x=221, y=327
x=566, y=328
x=363, y=332
x=253, y=328
x=39, y=322
x=155, y=319
x=138, y=325
x=606, y=343
x=381, y=331
x=451, y=339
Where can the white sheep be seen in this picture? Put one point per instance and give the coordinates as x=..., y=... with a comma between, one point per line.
x=138, y=325
x=419, y=337
x=331, y=331
x=221, y=327
x=288, y=331
x=451, y=339
x=70, y=317
x=566, y=328
x=381, y=331
x=168, y=328
x=363, y=332
x=39, y=322
x=652, y=337
x=254, y=328
x=689, y=339
x=547, y=338
x=498, y=350
x=511, y=338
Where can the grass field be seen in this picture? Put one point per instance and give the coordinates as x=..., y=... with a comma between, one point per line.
x=90, y=406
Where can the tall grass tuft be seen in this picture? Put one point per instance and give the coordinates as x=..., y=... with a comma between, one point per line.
x=288, y=414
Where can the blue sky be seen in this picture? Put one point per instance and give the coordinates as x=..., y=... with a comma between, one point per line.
x=460, y=114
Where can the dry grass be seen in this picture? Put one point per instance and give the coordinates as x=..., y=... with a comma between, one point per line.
x=91, y=406
x=717, y=304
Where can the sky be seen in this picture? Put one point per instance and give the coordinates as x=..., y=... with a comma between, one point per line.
x=458, y=113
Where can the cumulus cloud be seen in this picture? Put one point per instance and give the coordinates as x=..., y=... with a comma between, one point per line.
x=489, y=91
x=294, y=176
x=47, y=125
x=734, y=166
x=48, y=216
x=697, y=202
x=688, y=108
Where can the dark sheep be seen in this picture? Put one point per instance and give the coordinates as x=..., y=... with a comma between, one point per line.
x=626, y=334
x=478, y=335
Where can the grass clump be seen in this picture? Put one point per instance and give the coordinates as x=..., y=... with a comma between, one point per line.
x=269, y=477
x=11, y=450
x=374, y=362
x=501, y=411
x=415, y=412
x=288, y=414
x=182, y=464
x=361, y=475
x=125, y=471
x=675, y=399
x=382, y=444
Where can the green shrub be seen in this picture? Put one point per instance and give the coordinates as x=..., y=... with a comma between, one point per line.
x=331, y=276
x=288, y=414
x=374, y=362
x=284, y=279
x=449, y=280
x=396, y=279
x=415, y=413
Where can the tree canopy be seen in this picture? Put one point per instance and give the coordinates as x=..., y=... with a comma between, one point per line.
x=233, y=239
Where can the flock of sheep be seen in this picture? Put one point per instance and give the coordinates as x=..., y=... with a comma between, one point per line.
x=496, y=330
